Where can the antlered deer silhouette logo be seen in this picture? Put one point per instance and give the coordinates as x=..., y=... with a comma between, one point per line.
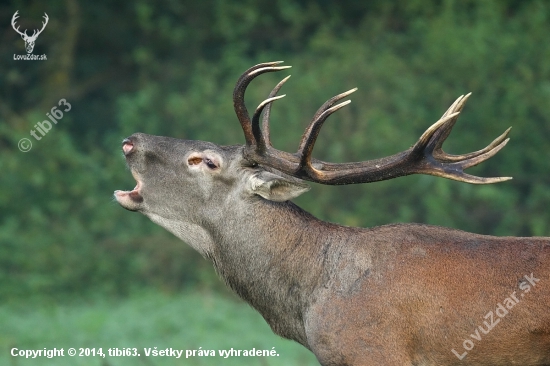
x=29, y=40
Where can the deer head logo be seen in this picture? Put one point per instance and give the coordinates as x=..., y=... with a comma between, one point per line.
x=29, y=40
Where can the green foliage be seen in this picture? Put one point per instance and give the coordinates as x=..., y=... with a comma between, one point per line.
x=147, y=320
x=168, y=67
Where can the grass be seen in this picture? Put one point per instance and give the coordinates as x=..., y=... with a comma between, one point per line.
x=189, y=321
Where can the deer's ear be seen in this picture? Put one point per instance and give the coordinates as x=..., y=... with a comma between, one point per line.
x=275, y=187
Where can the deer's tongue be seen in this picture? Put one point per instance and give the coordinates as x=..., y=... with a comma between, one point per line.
x=135, y=195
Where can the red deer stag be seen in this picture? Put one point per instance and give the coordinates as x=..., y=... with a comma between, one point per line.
x=405, y=294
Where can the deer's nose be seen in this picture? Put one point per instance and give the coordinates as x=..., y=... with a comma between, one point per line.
x=127, y=146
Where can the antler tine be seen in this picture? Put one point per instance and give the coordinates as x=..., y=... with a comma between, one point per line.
x=443, y=156
x=453, y=107
x=445, y=130
x=444, y=125
x=310, y=134
x=255, y=67
x=312, y=131
x=258, y=136
x=238, y=95
x=426, y=137
x=329, y=103
x=267, y=112
x=475, y=160
x=472, y=179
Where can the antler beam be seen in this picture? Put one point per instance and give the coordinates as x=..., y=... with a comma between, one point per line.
x=424, y=157
x=13, y=21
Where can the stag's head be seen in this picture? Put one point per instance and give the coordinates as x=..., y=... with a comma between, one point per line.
x=196, y=181
x=29, y=40
x=183, y=184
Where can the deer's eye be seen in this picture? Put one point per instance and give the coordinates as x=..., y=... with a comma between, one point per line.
x=209, y=163
x=194, y=160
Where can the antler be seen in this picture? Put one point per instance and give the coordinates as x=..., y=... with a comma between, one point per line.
x=43, y=25
x=424, y=157
x=24, y=34
x=13, y=19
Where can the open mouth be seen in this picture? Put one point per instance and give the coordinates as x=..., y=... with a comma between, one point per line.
x=130, y=200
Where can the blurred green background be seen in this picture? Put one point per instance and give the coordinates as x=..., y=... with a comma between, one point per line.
x=77, y=270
